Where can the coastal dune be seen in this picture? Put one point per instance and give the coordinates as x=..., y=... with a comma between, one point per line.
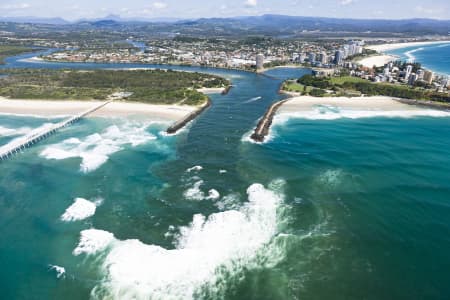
x=51, y=108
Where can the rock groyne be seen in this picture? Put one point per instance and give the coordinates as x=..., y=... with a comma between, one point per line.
x=263, y=127
x=174, y=128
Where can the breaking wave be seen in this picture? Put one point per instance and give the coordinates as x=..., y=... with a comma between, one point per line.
x=321, y=113
x=4, y=131
x=410, y=54
x=81, y=209
x=208, y=251
x=95, y=149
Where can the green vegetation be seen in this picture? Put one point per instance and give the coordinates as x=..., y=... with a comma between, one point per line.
x=293, y=86
x=344, y=79
x=6, y=51
x=344, y=86
x=365, y=53
x=149, y=86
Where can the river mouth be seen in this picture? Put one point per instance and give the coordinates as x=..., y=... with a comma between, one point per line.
x=322, y=210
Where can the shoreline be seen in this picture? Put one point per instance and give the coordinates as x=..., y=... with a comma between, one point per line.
x=394, y=46
x=37, y=59
x=60, y=108
x=376, y=106
x=331, y=108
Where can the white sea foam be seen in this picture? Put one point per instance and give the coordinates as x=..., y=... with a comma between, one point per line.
x=320, y=114
x=81, y=209
x=221, y=245
x=93, y=241
x=213, y=195
x=194, y=192
x=60, y=271
x=19, y=140
x=331, y=178
x=195, y=168
x=228, y=202
x=95, y=149
x=246, y=138
x=410, y=54
x=5, y=131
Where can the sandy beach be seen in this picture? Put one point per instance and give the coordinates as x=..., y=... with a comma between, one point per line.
x=115, y=109
x=331, y=108
x=394, y=46
x=308, y=103
x=378, y=60
x=208, y=91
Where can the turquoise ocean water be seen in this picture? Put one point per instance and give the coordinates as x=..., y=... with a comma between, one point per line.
x=434, y=57
x=329, y=208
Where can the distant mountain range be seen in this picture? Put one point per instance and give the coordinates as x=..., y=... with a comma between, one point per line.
x=272, y=24
x=61, y=21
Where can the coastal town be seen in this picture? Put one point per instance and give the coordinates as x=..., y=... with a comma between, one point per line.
x=204, y=150
x=326, y=58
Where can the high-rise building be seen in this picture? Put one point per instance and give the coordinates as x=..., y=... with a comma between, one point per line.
x=428, y=77
x=446, y=83
x=412, y=78
x=259, y=61
x=302, y=57
x=323, y=58
x=409, y=69
x=338, y=57
x=420, y=73
x=312, y=57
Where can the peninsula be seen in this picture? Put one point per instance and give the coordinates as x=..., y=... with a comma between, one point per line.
x=165, y=95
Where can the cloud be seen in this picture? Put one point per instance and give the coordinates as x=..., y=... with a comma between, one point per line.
x=346, y=2
x=427, y=10
x=159, y=5
x=251, y=3
x=16, y=6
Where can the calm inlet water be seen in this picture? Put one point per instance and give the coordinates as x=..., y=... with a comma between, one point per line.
x=327, y=209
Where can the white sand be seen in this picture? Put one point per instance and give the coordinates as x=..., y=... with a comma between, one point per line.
x=211, y=90
x=307, y=103
x=393, y=46
x=378, y=60
x=114, y=109
x=313, y=108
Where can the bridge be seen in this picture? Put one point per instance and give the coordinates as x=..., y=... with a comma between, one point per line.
x=20, y=144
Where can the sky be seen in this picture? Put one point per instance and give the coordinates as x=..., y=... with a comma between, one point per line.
x=143, y=9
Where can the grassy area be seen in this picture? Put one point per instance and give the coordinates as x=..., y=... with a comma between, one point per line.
x=344, y=79
x=148, y=86
x=6, y=51
x=292, y=86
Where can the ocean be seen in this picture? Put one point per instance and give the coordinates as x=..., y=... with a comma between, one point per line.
x=328, y=208
x=434, y=57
